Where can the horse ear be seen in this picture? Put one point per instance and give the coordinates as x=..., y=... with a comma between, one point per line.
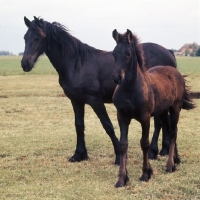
x=115, y=35
x=27, y=22
x=129, y=36
x=37, y=21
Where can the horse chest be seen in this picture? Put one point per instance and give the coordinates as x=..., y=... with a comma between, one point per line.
x=68, y=88
x=126, y=103
x=79, y=89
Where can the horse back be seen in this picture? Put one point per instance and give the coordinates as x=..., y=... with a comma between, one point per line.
x=167, y=86
x=155, y=55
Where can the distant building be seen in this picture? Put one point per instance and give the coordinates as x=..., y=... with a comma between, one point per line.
x=189, y=49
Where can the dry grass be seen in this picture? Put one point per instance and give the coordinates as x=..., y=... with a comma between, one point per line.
x=38, y=137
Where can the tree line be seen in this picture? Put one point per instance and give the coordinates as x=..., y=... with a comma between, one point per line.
x=5, y=53
x=195, y=53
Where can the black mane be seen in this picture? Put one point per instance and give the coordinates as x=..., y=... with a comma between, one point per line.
x=69, y=45
x=138, y=48
x=139, y=53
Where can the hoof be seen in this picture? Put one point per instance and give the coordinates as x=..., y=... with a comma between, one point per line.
x=153, y=154
x=78, y=157
x=173, y=169
x=121, y=183
x=164, y=152
x=146, y=176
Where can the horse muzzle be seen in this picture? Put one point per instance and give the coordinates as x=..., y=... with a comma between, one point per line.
x=116, y=79
x=26, y=65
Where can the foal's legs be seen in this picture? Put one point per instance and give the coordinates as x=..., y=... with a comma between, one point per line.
x=165, y=135
x=153, y=151
x=123, y=173
x=167, y=127
x=100, y=110
x=81, y=151
x=144, y=142
x=173, y=156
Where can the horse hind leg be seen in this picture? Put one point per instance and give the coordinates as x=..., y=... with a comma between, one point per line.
x=177, y=159
x=102, y=114
x=165, y=133
x=166, y=128
x=153, y=150
x=173, y=152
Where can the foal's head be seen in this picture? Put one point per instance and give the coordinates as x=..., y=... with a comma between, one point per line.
x=122, y=54
x=35, y=40
x=127, y=54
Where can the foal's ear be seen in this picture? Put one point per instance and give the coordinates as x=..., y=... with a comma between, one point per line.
x=37, y=21
x=129, y=36
x=35, y=18
x=27, y=22
x=115, y=35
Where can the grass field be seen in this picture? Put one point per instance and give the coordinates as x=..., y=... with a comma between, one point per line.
x=38, y=137
x=11, y=65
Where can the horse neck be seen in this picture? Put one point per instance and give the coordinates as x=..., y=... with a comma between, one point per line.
x=133, y=69
x=58, y=59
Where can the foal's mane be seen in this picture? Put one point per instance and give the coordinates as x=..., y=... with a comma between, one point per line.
x=138, y=49
x=69, y=45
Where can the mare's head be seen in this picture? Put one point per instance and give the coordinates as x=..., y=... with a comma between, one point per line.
x=127, y=54
x=35, y=39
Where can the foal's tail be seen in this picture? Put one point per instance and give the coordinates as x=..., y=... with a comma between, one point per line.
x=188, y=104
x=187, y=100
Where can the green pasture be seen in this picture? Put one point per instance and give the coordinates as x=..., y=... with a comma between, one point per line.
x=37, y=137
x=11, y=65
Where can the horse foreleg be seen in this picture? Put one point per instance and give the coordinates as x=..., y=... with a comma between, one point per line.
x=123, y=173
x=81, y=151
x=144, y=142
x=102, y=114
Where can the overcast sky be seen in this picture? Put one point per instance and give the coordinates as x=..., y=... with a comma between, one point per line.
x=170, y=23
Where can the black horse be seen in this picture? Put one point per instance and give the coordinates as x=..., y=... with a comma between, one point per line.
x=84, y=74
x=143, y=93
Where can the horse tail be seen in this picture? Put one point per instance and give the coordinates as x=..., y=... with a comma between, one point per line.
x=174, y=58
x=188, y=105
x=187, y=99
x=171, y=52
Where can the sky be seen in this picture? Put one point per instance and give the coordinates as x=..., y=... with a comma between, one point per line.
x=170, y=23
